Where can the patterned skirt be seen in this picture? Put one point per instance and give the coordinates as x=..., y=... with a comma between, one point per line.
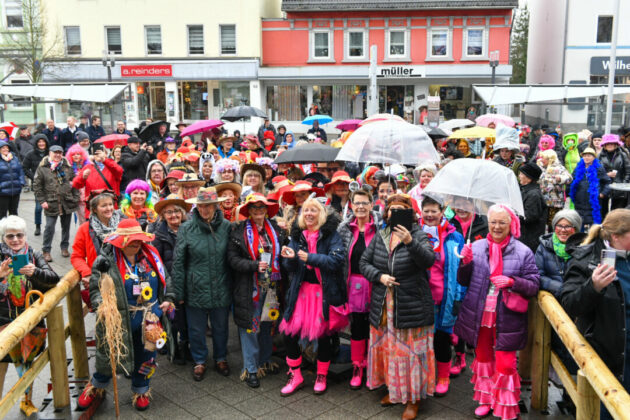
x=401, y=359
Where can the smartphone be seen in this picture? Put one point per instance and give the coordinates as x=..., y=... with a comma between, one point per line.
x=17, y=262
x=403, y=217
x=609, y=257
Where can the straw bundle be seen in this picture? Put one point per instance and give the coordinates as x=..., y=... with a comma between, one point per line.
x=108, y=315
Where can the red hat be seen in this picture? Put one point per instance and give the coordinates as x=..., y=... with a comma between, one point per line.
x=174, y=174
x=339, y=176
x=252, y=138
x=289, y=196
x=128, y=230
x=281, y=184
x=272, y=208
x=269, y=135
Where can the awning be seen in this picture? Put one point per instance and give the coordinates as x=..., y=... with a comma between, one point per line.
x=102, y=93
x=526, y=94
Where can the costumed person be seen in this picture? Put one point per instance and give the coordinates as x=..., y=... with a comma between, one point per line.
x=402, y=183
x=546, y=142
x=226, y=170
x=597, y=293
x=101, y=174
x=253, y=176
x=170, y=185
x=423, y=174
x=553, y=182
x=78, y=158
x=356, y=233
x=507, y=147
x=170, y=147
x=141, y=293
x=338, y=191
x=156, y=172
x=534, y=221
x=590, y=184
x=501, y=275
x=367, y=177
x=137, y=203
x=317, y=292
x=189, y=185
x=15, y=284
x=616, y=163
x=225, y=146
x=231, y=192
x=206, y=166
x=88, y=241
x=400, y=354
x=270, y=170
x=173, y=212
x=295, y=197
x=446, y=292
x=572, y=155
x=254, y=256
x=11, y=180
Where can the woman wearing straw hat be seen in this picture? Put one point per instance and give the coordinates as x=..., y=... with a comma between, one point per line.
x=173, y=212
x=201, y=279
x=254, y=255
x=231, y=191
x=295, y=197
x=338, y=191
x=189, y=185
x=143, y=294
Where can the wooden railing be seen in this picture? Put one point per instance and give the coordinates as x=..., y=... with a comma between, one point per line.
x=595, y=382
x=55, y=353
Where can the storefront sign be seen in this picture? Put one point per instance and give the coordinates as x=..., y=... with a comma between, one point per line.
x=400, y=71
x=601, y=65
x=165, y=70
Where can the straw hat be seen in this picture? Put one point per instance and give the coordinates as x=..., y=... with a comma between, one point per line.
x=289, y=196
x=272, y=208
x=128, y=230
x=173, y=199
x=234, y=186
x=191, y=179
x=339, y=176
x=589, y=150
x=253, y=167
x=226, y=138
x=206, y=196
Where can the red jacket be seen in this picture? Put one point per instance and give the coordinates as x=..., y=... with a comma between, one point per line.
x=112, y=172
x=83, y=251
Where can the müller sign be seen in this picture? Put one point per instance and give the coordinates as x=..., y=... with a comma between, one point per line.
x=400, y=71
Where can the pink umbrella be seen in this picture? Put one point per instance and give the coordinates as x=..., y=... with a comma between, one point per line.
x=112, y=140
x=11, y=129
x=348, y=125
x=486, y=119
x=381, y=117
x=201, y=126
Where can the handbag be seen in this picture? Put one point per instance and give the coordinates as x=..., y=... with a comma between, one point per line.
x=338, y=317
x=514, y=301
x=271, y=307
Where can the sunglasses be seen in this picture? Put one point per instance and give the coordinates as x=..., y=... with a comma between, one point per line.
x=11, y=236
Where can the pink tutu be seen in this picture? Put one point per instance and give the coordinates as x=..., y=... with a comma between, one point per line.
x=307, y=319
x=506, y=393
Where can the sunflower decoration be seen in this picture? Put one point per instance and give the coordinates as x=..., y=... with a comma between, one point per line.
x=147, y=293
x=274, y=314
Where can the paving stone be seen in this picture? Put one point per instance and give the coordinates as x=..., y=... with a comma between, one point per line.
x=177, y=390
x=338, y=413
x=226, y=413
x=310, y=406
x=365, y=406
x=282, y=413
x=162, y=407
x=257, y=406
x=235, y=393
x=275, y=395
x=203, y=406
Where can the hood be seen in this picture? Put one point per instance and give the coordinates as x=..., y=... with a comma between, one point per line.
x=575, y=242
x=153, y=162
x=39, y=137
x=329, y=226
x=205, y=157
x=547, y=241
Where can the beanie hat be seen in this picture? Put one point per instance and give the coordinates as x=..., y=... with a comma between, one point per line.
x=531, y=170
x=571, y=215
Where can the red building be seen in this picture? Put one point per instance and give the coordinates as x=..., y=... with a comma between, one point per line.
x=319, y=54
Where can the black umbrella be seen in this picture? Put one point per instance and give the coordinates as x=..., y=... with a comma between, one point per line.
x=153, y=129
x=437, y=133
x=308, y=153
x=243, y=111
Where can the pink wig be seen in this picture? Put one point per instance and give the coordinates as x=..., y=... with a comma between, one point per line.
x=515, y=223
x=73, y=150
x=546, y=142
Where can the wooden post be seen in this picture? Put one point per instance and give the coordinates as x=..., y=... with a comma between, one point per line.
x=541, y=353
x=58, y=361
x=77, y=334
x=587, y=405
x=525, y=355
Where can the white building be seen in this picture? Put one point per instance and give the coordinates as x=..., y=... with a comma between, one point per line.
x=569, y=43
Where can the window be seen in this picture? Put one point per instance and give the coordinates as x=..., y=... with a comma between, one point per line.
x=13, y=11
x=604, y=28
x=321, y=45
x=228, y=39
x=397, y=43
x=355, y=44
x=73, y=40
x=114, y=43
x=20, y=102
x=439, y=43
x=154, y=39
x=474, y=42
x=195, y=39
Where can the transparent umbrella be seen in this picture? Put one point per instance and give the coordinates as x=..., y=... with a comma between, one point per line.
x=389, y=141
x=481, y=182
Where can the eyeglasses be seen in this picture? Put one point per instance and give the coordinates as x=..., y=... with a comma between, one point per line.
x=361, y=204
x=565, y=227
x=171, y=212
x=12, y=236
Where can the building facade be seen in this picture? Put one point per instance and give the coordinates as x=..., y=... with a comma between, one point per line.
x=318, y=55
x=569, y=43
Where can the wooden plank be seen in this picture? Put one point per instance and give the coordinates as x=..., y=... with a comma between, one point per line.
x=58, y=361
x=77, y=334
x=17, y=391
x=587, y=403
x=541, y=348
x=565, y=377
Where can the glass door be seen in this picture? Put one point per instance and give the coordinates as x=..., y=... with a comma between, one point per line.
x=158, y=101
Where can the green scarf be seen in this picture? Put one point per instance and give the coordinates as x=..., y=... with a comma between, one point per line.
x=560, y=248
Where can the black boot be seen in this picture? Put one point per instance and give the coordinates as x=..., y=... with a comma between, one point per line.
x=179, y=357
x=38, y=230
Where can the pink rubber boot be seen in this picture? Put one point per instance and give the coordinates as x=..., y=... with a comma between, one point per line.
x=357, y=354
x=320, y=381
x=459, y=366
x=295, y=382
x=443, y=381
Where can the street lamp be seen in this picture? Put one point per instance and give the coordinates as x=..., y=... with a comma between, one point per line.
x=494, y=63
x=109, y=61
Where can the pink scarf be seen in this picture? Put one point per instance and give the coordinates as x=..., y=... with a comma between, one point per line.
x=496, y=255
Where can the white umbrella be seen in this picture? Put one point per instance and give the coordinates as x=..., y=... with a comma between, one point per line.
x=457, y=123
x=389, y=141
x=481, y=181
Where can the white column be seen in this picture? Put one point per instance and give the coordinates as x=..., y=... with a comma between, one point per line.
x=172, y=102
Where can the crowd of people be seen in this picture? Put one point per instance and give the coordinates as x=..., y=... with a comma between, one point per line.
x=191, y=232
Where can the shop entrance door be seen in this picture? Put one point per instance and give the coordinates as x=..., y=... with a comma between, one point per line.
x=397, y=100
x=158, y=101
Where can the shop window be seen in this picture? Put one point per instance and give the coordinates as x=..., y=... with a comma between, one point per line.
x=195, y=39
x=228, y=39
x=349, y=101
x=323, y=98
x=232, y=94
x=154, y=39
x=321, y=45
x=604, y=29
x=113, y=39
x=475, y=42
x=73, y=40
x=286, y=103
x=193, y=100
x=13, y=12
x=439, y=43
x=143, y=93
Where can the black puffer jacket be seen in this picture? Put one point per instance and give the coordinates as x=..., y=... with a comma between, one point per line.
x=164, y=242
x=618, y=161
x=601, y=316
x=409, y=265
x=535, y=220
x=34, y=157
x=134, y=165
x=329, y=259
x=478, y=228
x=243, y=269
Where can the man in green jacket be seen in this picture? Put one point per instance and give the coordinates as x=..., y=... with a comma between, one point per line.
x=201, y=280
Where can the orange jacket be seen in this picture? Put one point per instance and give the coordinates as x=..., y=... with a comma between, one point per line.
x=83, y=251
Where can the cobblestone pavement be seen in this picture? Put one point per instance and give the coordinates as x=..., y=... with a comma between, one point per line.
x=177, y=396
